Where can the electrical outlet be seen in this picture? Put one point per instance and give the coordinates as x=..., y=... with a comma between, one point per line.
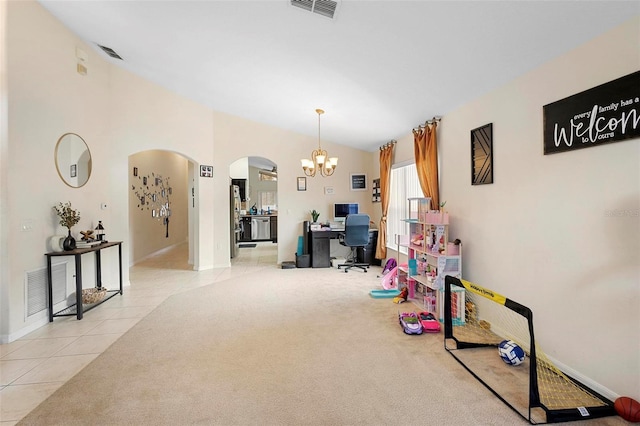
x=27, y=226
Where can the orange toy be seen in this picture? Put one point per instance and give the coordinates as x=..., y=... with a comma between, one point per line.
x=402, y=297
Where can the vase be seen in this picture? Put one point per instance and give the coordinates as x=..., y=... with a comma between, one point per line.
x=69, y=242
x=55, y=243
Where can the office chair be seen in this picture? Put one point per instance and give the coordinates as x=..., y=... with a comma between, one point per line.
x=356, y=235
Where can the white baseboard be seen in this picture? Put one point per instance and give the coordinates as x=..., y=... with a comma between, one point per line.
x=597, y=387
x=8, y=338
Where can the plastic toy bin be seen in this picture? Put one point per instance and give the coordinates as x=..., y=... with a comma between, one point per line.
x=303, y=260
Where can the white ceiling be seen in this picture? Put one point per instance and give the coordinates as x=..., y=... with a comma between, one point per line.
x=378, y=69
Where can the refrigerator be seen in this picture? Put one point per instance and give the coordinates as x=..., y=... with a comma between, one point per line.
x=234, y=226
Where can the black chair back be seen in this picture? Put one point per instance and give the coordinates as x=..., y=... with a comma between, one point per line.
x=356, y=230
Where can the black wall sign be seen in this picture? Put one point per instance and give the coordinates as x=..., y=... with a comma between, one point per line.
x=604, y=114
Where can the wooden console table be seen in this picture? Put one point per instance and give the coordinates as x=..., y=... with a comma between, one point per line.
x=78, y=308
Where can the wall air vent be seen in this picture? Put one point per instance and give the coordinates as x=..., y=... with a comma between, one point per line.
x=321, y=7
x=36, y=289
x=110, y=52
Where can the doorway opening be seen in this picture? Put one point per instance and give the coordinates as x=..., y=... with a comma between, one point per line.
x=254, y=211
x=160, y=185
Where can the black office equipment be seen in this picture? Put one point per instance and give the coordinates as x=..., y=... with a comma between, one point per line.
x=356, y=235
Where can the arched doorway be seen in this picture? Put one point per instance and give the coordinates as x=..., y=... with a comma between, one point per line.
x=160, y=188
x=254, y=216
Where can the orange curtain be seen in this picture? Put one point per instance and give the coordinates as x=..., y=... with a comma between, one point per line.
x=386, y=156
x=426, y=153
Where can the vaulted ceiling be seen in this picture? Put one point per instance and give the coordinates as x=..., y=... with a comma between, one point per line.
x=378, y=68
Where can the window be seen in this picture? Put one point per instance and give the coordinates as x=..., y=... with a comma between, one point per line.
x=267, y=175
x=267, y=200
x=404, y=184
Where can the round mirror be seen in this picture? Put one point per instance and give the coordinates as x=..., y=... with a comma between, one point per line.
x=73, y=160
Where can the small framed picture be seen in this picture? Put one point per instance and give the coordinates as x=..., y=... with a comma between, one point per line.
x=135, y=171
x=375, y=192
x=74, y=170
x=358, y=181
x=206, y=171
x=144, y=180
x=302, y=184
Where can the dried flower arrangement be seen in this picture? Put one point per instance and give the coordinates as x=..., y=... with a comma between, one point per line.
x=68, y=216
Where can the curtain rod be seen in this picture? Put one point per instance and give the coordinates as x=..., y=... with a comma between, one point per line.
x=428, y=122
x=388, y=144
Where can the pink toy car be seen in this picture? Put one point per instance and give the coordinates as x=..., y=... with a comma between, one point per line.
x=429, y=323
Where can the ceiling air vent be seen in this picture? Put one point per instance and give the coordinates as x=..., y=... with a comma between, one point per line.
x=321, y=7
x=109, y=51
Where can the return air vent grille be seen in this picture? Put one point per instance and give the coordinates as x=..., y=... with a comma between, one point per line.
x=109, y=51
x=321, y=7
x=36, y=287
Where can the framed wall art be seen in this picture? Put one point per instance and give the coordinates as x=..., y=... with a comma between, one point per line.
x=206, y=171
x=375, y=191
x=601, y=115
x=302, y=184
x=358, y=181
x=482, y=155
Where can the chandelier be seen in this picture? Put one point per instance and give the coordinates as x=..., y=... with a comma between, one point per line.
x=319, y=159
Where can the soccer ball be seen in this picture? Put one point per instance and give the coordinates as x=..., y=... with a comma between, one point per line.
x=510, y=352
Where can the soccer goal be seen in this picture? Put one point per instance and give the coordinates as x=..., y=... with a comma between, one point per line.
x=536, y=389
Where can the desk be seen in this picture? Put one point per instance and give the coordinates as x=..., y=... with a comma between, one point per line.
x=78, y=308
x=319, y=247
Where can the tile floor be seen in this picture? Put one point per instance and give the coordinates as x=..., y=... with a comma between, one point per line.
x=33, y=367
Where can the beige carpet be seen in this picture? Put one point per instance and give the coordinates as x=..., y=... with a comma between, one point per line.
x=277, y=347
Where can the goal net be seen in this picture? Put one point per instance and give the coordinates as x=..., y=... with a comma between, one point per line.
x=476, y=321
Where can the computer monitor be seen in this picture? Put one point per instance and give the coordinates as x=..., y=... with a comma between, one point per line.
x=341, y=210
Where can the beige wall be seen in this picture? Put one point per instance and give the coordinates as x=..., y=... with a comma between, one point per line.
x=47, y=98
x=148, y=234
x=541, y=234
x=256, y=186
x=119, y=115
x=236, y=138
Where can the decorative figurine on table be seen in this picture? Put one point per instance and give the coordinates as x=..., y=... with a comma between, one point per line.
x=100, y=230
x=87, y=235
